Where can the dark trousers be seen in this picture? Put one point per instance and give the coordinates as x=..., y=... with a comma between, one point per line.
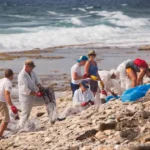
x=74, y=87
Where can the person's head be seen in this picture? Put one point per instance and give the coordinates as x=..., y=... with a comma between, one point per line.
x=29, y=65
x=114, y=74
x=91, y=55
x=84, y=85
x=82, y=60
x=9, y=74
x=148, y=72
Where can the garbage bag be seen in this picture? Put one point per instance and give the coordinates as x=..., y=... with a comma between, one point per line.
x=111, y=97
x=133, y=94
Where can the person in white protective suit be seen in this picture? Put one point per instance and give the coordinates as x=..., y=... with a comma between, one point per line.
x=83, y=98
x=124, y=80
x=28, y=82
x=110, y=81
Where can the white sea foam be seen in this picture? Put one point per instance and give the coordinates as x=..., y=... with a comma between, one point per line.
x=119, y=19
x=52, y=12
x=21, y=16
x=82, y=9
x=90, y=7
x=126, y=31
x=76, y=21
x=66, y=36
x=124, y=5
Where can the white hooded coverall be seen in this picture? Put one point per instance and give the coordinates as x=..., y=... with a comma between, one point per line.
x=26, y=84
x=125, y=81
x=78, y=99
x=110, y=83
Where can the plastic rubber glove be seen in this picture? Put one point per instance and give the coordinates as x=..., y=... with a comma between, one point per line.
x=102, y=84
x=40, y=94
x=114, y=94
x=104, y=92
x=84, y=104
x=85, y=76
x=91, y=102
x=14, y=109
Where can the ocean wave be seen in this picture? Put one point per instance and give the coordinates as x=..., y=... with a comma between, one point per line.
x=76, y=21
x=81, y=9
x=124, y=5
x=21, y=16
x=90, y=7
x=118, y=18
x=51, y=37
x=52, y=13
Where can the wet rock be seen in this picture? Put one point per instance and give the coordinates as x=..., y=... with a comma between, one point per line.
x=144, y=48
x=108, y=126
x=87, y=134
x=39, y=114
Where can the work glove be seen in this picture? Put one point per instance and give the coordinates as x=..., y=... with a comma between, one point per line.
x=85, y=76
x=104, y=92
x=14, y=109
x=102, y=84
x=114, y=94
x=84, y=104
x=91, y=102
x=40, y=94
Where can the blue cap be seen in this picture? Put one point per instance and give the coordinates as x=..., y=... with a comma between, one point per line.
x=85, y=84
x=82, y=58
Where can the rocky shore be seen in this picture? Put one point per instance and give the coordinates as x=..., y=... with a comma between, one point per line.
x=112, y=126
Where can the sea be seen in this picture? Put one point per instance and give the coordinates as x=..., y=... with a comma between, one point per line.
x=29, y=24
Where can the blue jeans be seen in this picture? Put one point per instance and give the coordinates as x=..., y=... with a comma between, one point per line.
x=74, y=87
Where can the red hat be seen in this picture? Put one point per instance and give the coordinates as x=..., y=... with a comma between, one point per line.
x=140, y=63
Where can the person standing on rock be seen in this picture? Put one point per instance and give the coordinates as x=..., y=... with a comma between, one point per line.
x=91, y=69
x=28, y=82
x=76, y=75
x=83, y=98
x=5, y=99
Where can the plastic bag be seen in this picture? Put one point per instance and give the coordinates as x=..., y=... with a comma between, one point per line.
x=111, y=97
x=31, y=125
x=136, y=93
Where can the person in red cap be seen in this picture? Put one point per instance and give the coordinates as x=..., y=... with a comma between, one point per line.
x=5, y=99
x=136, y=70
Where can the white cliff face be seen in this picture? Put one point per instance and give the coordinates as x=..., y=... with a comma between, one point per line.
x=112, y=126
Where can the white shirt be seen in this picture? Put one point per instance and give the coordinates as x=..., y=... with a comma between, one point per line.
x=27, y=83
x=75, y=68
x=5, y=84
x=80, y=97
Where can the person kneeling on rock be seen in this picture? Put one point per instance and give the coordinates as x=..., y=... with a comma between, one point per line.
x=83, y=99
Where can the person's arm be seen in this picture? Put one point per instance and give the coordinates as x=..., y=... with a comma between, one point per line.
x=76, y=77
x=8, y=98
x=140, y=76
x=86, y=69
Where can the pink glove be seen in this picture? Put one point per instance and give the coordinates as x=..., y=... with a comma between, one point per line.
x=40, y=94
x=103, y=92
x=84, y=104
x=14, y=109
x=91, y=102
x=85, y=76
